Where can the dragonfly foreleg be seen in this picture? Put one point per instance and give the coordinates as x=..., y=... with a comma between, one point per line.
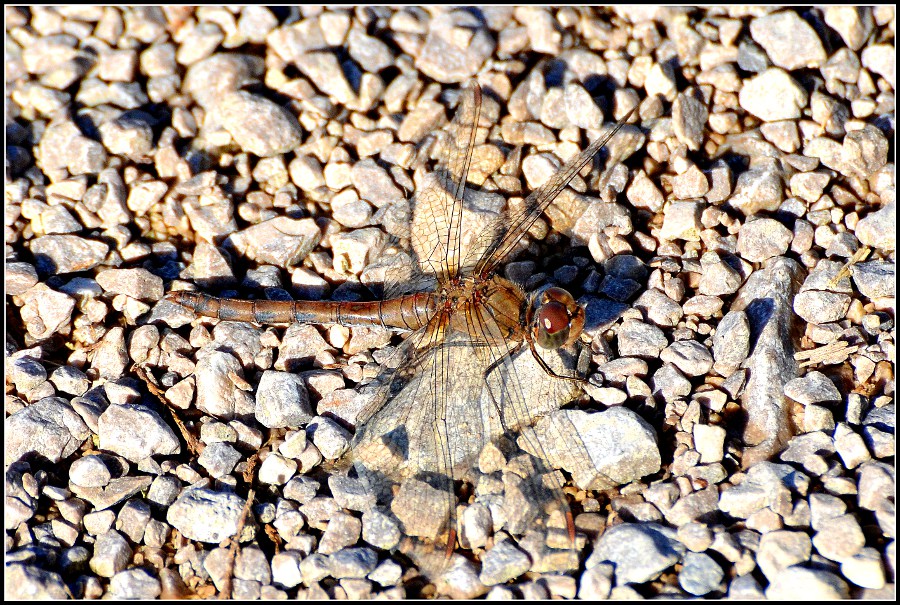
x=548, y=369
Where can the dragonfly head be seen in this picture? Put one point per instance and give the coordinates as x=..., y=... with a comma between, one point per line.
x=558, y=320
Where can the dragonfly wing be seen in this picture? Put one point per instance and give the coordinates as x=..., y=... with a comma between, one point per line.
x=518, y=392
x=437, y=226
x=494, y=245
x=418, y=433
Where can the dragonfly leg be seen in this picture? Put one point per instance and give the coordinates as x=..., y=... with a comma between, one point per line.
x=550, y=370
x=509, y=355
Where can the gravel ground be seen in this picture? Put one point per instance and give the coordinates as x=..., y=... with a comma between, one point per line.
x=737, y=270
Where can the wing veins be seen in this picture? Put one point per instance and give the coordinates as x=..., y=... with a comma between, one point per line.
x=537, y=202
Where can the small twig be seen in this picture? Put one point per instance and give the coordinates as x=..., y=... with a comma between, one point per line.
x=858, y=256
x=194, y=445
x=830, y=354
x=233, y=543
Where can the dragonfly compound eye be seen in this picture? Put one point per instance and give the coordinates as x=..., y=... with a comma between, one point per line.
x=558, y=321
x=551, y=325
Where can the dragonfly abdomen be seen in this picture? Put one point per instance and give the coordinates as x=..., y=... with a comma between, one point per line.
x=408, y=312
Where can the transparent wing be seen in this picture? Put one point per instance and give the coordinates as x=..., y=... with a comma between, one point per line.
x=408, y=446
x=437, y=210
x=517, y=392
x=494, y=244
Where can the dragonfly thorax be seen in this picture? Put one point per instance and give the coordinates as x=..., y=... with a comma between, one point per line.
x=488, y=310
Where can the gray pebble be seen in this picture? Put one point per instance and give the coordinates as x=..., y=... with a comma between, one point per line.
x=26, y=373
x=691, y=183
x=696, y=536
x=135, y=432
x=643, y=193
x=48, y=427
x=669, y=383
x=689, y=356
x=133, y=518
x=210, y=79
x=28, y=582
x=130, y=135
x=746, y=588
x=460, y=580
x=681, y=220
x=351, y=493
x=380, y=530
x=56, y=254
x=580, y=107
x=878, y=58
x=276, y=469
x=111, y=554
x=136, y=283
x=850, y=446
x=352, y=563
x=814, y=387
x=718, y=277
x=251, y=565
x=329, y=437
x=781, y=549
x=878, y=228
x=638, y=339
x=135, y=583
x=809, y=185
x=820, y=307
x=89, y=471
x=71, y=380
x=219, y=458
x=865, y=569
x=731, y=342
x=789, y=41
x=763, y=239
x=387, y=573
x=502, y=563
x=19, y=277
x=758, y=190
x=372, y=54
x=280, y=241
x=854, y=24
x=596, y=582
x=773, y=95
x=809, y=450
x=258, y=125
x=445, y=57
x=766, y=484
x=164, y=490
x=117, y=490
x=797, y=582
x=323, y=68
x=343, y=530
x=689, y=116
x=659, y=308
x=618, y=445
x=709, y=441
x=475, y=525
x=204, y=39
x=205, y=515
x=639, y=552
x=865, y=151
x=282, y=400
x=374, y=184
x=286, y=569
x=217, y=393
x=111, y=357
x=875, y=279
x=700, y=574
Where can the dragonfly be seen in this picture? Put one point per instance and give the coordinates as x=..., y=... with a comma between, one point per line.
x=481, y=361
